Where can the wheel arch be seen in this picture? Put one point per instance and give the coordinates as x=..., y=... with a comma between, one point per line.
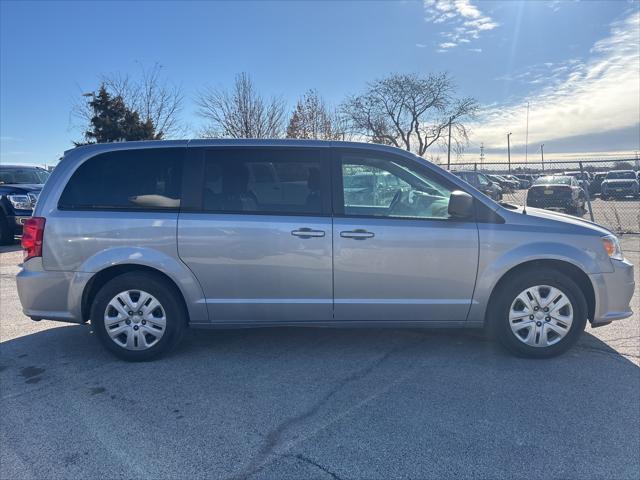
x=572, y=271
x=98, y=280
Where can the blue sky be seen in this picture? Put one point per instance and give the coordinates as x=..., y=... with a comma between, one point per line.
x=577, y=62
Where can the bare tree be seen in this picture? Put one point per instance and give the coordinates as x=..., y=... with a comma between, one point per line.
x=152, y=97
x=312, y=119
x=410, y=112
x=241, y=112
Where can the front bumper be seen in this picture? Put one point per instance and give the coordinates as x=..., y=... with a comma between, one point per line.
x=613, y=292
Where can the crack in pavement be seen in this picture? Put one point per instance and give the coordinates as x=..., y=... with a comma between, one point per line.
x=274, y=438
x=299, y=456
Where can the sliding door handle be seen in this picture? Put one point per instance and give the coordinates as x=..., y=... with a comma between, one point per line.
x=307, y=233
x=358, y=234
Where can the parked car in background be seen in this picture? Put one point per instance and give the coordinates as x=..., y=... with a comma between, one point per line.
x=371, y=187
x=518, y=183
x=557, y=192
x=620, y=183
x=594, y=186
x=526, y=180
x=186, y=242
x=481, y=182
x=583, y=178
x=508, y=186
x=19, y=190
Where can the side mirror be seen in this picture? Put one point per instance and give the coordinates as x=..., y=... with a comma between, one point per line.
x=460, y=204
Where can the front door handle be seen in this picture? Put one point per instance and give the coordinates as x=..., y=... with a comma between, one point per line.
x=307, y=233
x=358, y=234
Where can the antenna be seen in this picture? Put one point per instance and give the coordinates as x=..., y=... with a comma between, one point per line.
x=481, y=155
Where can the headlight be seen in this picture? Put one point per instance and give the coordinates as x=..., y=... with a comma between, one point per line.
x=612, y=247
x=20, y=202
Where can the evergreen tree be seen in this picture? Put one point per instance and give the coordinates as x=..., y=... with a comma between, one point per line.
x=113, y=121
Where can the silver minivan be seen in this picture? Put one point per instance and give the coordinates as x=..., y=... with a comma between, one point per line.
x=146, y=239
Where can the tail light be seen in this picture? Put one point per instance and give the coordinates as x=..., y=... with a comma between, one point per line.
x=32, y=234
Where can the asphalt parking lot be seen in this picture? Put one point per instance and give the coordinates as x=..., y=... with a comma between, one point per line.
x=315, y=403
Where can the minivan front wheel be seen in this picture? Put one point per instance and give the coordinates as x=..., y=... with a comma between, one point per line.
x=540, y=313
x=137, y=316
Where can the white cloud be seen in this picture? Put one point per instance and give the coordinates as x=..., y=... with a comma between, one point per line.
x=447, y=45
x=577, y=97
x=554, y=5
x=464, y=18
x=421, y=45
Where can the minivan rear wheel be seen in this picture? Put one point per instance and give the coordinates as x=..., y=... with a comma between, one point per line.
x=138, y=316
x=539, y=313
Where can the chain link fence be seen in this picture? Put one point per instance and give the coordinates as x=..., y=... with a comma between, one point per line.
x=604, y=191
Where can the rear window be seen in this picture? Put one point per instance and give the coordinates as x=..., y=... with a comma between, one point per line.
x=147, y=179
x=553, y=181
x=265, y=181
x=621, y=175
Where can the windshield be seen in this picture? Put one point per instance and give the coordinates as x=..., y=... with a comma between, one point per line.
x=550, y=180
x=23, y=175
x=627, y=175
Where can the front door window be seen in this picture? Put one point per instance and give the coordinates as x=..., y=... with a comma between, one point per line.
x=383, y=188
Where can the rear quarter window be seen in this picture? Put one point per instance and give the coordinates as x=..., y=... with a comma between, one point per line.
x=141, y=179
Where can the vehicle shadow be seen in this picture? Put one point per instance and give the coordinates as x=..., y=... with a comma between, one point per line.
x=362, y=403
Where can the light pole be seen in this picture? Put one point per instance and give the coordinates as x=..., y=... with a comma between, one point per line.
x=542, y=155
x=449, y=146
x=509, y=150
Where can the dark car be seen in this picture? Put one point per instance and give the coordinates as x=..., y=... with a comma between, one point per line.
x=481, y=182
x=526, y=180
x=594, y=186
x=584, y=178
x=508, y=186
x=562, y=192
x=20, y=187
x=518, y=183
x=619, y=183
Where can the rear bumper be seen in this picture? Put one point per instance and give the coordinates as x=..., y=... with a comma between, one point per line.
x=624, y=190
x=50, y=295
x=613, y=293
x=551, y=202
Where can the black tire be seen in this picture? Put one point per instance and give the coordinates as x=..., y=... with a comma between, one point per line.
x=498, y=313
x=163, y=291
x=6, y=234
x=576, y=211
